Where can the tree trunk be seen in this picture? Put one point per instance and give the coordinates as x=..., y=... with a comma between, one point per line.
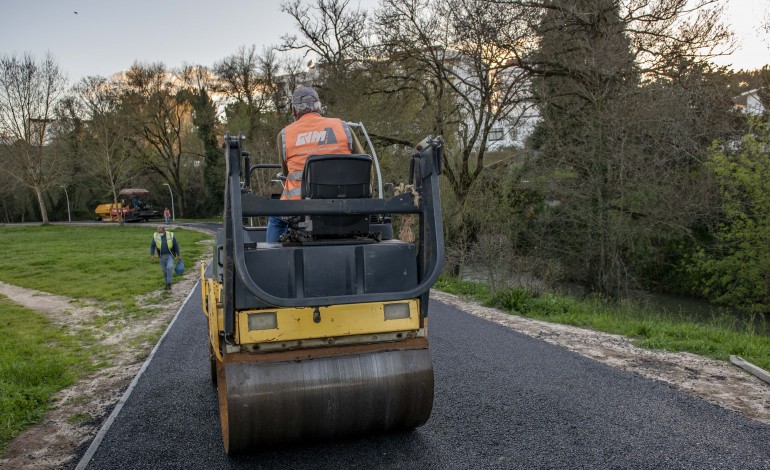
x=41, y=202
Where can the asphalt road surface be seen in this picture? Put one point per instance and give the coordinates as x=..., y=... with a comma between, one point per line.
x=502, y=400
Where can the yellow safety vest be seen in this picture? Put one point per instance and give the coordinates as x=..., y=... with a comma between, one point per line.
x=169, y=241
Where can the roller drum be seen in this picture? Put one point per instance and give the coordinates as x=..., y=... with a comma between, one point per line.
x=267, y=403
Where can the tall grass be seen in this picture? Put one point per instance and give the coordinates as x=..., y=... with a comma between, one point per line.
x=716, y=337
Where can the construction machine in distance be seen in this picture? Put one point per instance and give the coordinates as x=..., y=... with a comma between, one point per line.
x=132, y=207
x=325, y=333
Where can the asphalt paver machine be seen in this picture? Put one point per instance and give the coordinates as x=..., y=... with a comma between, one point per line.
x=325, y=333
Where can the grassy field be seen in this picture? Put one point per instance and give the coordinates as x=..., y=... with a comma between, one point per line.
x=105, y=263
x=108, y=264
x=717, y=337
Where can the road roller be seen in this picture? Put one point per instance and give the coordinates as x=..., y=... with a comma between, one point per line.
x=324, y=334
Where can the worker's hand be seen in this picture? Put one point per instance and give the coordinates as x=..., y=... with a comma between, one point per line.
x=152, y=257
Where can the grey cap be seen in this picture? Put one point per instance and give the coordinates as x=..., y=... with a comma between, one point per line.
x=304, y=95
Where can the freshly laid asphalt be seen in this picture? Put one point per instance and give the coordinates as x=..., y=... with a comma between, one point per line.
x=502, y=400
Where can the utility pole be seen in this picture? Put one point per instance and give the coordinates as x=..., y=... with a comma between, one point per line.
x=69, y=216
x=173, y=217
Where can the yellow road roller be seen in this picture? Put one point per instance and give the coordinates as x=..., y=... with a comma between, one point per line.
x=323, y=334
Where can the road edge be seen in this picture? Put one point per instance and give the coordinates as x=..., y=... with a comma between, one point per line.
x=86, y=459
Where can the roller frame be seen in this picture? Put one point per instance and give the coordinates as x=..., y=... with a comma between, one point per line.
x=319, y=393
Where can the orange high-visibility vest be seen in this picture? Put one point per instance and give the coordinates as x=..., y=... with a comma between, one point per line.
x=311, y=134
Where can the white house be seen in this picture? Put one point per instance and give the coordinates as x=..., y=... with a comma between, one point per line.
x=749, y=102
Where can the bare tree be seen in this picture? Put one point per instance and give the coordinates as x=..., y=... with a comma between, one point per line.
x=330, y=29
x=109, y=145
x=241, y=77
x=463, y=56
x=29, y=91
x=293, y=73
x=250, y=82
x=764, y=27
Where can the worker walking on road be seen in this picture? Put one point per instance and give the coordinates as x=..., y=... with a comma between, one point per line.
x=166, y=214
x=167, y=247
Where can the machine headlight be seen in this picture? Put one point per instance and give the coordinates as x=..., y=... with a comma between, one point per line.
x=396, y=311
x=263, y=321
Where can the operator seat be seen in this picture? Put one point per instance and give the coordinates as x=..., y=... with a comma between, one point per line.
x=337, y=176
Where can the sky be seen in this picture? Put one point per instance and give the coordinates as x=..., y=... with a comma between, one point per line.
x=107, y=36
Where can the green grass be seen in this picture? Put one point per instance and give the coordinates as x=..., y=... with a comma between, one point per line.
x=717, y=337
x=110, y=264
x=102, y=263
x=37, y=359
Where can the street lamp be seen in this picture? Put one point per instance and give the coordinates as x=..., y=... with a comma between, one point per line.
x=173, y=217
x=69, y=216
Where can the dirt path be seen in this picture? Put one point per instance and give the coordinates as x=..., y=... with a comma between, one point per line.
x=80, y=410
x=718, y=382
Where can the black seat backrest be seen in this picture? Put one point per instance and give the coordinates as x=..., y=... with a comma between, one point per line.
x=337, y=177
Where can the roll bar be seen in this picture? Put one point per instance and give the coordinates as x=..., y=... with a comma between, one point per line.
x=239, y=205
x=373, y=153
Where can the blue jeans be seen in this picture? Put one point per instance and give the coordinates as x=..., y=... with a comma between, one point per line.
x=167, y=265
x=276, y=227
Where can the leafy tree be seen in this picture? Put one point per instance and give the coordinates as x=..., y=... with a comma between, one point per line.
x=745, y=80
x=14, y=201
x=206, y=121
x=736, y=270
x=628, y=112
x=29, y=91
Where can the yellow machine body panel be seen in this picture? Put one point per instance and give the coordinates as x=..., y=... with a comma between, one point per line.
x=103, y=210
x=291, y=324
x=211, y=293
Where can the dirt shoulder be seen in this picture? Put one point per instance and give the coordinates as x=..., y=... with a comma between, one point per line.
x=80, y=410
x=718, y=382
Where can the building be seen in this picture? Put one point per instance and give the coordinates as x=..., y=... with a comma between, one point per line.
x=749, y=102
